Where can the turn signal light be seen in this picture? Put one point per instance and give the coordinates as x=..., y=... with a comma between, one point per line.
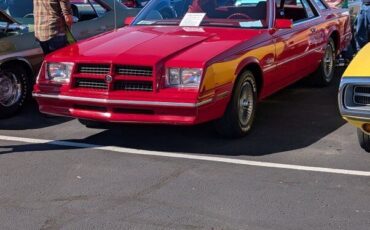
x=366, y=127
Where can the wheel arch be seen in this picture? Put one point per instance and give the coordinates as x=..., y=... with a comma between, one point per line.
x=253, y=65
x=336, y=38
x=19, y=61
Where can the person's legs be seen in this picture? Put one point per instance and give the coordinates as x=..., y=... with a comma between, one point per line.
x=57, y=42
x=45, y=47
x=361, y=31
x=54, y=44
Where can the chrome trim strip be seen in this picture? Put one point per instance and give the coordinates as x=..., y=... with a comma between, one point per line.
x=360, y=112
x=123, y=102
x=362, y=94
x=223, y=94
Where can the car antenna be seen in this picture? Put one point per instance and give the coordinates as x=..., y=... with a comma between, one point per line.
x=115, y=14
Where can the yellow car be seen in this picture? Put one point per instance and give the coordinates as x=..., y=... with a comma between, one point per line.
x=354, y=95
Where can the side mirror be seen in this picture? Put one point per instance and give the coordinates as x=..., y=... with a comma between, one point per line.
x=128, y=20
x=283, y=23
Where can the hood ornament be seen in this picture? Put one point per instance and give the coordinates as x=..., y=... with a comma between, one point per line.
x=108, y=78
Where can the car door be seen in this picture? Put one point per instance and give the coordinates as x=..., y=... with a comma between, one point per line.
x=292, y=45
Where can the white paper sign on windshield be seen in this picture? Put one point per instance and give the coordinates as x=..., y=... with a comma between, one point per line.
x=251, y=24
x=192, y=19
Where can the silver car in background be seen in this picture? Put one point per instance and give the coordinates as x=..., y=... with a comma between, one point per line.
x=21, y=55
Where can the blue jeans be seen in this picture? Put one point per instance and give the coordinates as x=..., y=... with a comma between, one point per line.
x=362, y=27
x=53, y=44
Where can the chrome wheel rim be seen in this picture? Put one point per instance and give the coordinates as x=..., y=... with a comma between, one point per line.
x=246, y=103
x=10, y=89
x=328, y=63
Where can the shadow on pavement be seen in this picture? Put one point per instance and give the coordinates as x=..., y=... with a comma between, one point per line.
x=30, y=118
x=291, y=119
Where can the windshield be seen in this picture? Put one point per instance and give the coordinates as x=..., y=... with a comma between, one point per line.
x=216, y=13
x=22, y=11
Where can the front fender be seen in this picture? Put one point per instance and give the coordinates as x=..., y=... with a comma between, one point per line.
x=244, y=63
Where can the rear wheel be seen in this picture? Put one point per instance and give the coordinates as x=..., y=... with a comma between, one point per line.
x=364, y=140
x=239, y=115
x=15, y=89
x=323, y=76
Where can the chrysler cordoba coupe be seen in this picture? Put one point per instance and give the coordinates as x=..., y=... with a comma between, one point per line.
x=189, y=62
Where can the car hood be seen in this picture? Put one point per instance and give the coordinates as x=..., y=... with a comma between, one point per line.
x=153, y=45
x=359, y=65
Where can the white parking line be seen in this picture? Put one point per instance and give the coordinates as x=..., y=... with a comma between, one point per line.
x=186, y=156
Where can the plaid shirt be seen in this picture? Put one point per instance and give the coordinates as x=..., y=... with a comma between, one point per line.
x=49, y=18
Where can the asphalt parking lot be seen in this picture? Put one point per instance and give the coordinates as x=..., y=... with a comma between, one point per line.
x=300, y=168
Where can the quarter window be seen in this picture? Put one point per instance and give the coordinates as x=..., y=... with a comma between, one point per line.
x=321, y=5
x=87, y=9
x=297, y=10
x=310, y=11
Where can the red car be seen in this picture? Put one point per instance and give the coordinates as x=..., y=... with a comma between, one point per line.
x=189, y=62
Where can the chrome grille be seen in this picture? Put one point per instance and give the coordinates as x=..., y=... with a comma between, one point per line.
x=91, y=84
x=133, y=85
x=94, y=69
x=134, y=70
x=361, y=95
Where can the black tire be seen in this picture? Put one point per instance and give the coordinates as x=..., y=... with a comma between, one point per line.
x=15, y=89
x=364, y=140
x=233, y=123
x=92, y=124
x=324, y=74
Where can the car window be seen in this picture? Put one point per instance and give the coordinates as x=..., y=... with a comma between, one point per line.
x=87, y=9
x=214, y=13
x=310, y=10
x=296, y=10
x=22, y=10
x=320, y=4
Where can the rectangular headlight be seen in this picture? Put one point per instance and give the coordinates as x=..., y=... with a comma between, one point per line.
x=59, y=72
x=184, y=77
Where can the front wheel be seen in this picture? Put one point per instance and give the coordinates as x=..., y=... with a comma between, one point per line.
x=364, y=140
x=15, y=88
x=239, y=115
